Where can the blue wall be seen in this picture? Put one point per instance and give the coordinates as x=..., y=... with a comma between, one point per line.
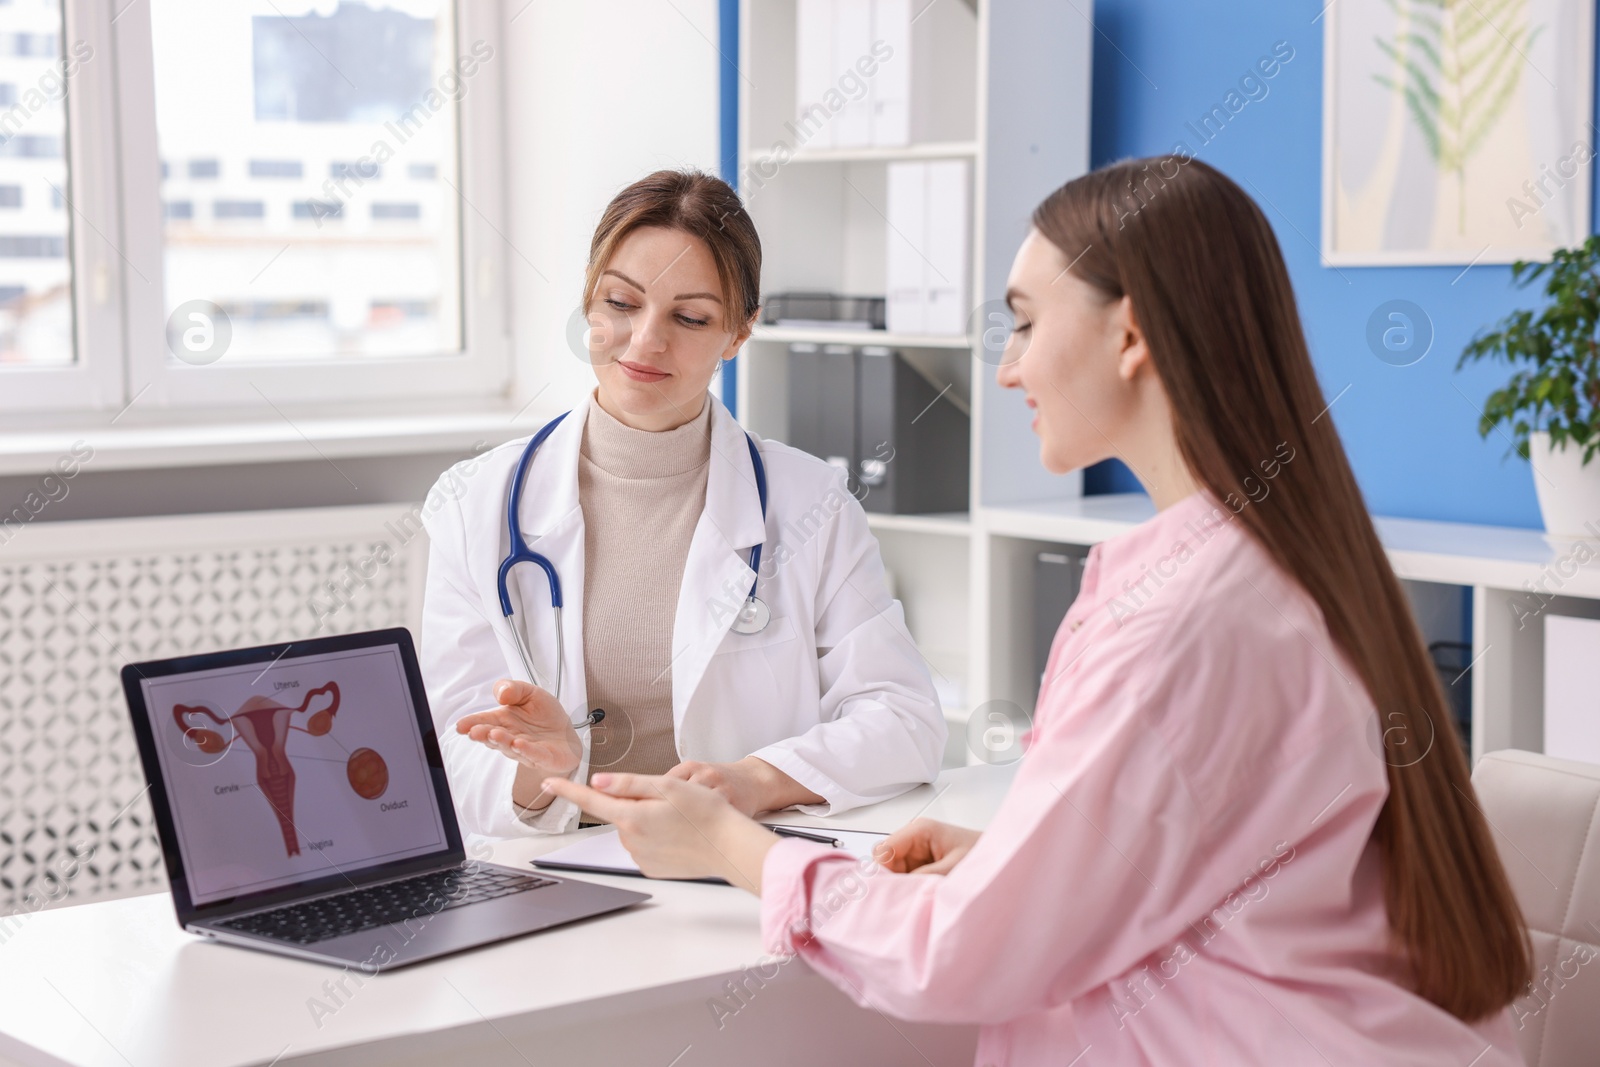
x=1411, y=432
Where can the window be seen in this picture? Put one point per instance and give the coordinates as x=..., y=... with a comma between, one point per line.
x=36, y=275
x=30, y=145
x=229, y=160
x=366, y=170
x=42, y=45
x=239, y=209
x=329, y=80
x=46, y=247
x=317, y=210
x=359, y=64
x=275, y=168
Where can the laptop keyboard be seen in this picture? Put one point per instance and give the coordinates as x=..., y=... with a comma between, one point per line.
x=380, y=905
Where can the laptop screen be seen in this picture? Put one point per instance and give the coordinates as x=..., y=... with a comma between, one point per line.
x=280, y=773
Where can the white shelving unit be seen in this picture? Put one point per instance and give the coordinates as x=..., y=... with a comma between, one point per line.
x=930, y=150
x=1514, y=577
x=1005, y=84
x=788, y=335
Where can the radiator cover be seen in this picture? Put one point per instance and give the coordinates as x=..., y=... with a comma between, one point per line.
x=78, y=600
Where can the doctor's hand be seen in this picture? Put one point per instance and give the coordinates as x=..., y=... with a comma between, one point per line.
x=675, y=828
x=926, y=846
x=750, y=785
x=531, y=727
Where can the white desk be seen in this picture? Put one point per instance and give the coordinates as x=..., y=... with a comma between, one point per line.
x=117, y=984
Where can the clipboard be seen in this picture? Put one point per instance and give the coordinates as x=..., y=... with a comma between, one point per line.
x=603, y=853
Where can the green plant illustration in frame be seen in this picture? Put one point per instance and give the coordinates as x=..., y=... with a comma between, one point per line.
x=1462, y=61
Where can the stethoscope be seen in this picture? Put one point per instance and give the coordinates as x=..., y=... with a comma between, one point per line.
x=752, y=616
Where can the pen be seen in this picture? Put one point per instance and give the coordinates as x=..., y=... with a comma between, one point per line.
x=790, y=831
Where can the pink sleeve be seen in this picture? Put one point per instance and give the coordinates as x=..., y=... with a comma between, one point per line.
x=1100, y=854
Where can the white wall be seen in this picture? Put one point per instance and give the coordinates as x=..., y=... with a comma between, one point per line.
x=598, y=94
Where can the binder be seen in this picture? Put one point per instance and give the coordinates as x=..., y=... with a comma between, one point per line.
x=927, y=247
x=906, y=212
x=891, y=85
x=831, y=38
x=923, y=434
x=813, y=125
x=852, y=39
x=822, y=402
x=1571, y=676
x=1057, y=577
x=868, y=411
x=946, y=230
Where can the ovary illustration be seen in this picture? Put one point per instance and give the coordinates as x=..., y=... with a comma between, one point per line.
x=264, y=724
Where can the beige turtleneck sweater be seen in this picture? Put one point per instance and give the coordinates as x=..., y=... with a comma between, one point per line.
x=642, y=493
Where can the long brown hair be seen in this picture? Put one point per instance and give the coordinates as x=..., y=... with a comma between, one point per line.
x=696, y=203
x=1208, y=285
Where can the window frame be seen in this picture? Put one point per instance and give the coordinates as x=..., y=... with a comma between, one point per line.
x=119, y=297
x=96, y=379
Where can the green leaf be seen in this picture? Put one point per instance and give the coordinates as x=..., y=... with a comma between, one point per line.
x=1430, y=133
x=1481, y=16
x=1553, y=349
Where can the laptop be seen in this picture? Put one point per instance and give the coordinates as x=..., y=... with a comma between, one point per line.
x=301, y=802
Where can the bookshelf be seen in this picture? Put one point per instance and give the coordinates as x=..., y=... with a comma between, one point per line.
x=1003, y=85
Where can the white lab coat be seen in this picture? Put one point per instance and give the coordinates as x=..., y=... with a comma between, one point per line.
x=832, y=692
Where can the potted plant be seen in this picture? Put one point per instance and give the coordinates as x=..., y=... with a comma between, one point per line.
x=1551, y=405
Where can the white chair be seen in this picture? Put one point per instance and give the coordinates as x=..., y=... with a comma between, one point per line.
x=1545, y=818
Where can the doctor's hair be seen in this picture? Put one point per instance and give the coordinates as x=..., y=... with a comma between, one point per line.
x=1206, y=278
x=698, y=204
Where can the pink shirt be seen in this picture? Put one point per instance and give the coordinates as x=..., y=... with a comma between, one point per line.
x=1183, y=870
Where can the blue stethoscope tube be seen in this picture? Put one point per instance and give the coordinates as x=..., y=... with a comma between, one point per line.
x=753, y=614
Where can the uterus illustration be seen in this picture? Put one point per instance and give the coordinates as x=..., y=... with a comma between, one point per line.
x=264, y=724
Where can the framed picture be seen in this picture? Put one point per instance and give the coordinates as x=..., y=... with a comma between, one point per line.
x=1456, y=131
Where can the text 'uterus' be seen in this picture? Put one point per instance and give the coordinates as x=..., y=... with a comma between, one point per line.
x=264, y=725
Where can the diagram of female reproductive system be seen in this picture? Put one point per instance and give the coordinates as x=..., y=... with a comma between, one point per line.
x=264, y=725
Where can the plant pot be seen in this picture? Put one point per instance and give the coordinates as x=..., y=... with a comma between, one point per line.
x=1568, y=491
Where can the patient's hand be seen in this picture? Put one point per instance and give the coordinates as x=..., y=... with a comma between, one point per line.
x=926, y=846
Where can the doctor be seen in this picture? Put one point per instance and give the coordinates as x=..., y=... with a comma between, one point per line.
x=708, y=605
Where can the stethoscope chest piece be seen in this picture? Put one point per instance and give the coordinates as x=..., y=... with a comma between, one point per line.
x=753, y=616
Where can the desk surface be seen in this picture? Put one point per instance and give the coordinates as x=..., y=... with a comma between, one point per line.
x=118, y=983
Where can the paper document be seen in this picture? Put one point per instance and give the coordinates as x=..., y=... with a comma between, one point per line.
x=603, y=853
